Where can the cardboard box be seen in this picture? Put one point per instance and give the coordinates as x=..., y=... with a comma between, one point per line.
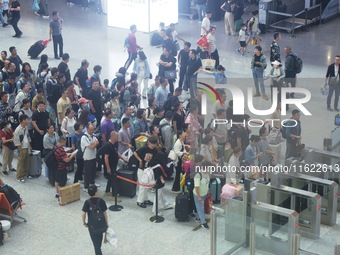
x=69, y=194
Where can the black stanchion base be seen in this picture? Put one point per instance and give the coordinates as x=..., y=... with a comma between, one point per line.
x=156, y=219
x=115, y=208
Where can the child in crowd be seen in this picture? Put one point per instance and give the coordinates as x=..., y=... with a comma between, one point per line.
x=220, y=77
x=152, y=90
x=242, y=40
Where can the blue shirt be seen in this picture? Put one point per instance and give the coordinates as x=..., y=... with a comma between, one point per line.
x=75, y=138
x=250, y=155
x=55, y=26
x=220, y=78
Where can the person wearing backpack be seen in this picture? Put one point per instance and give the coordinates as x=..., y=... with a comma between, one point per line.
x=253, y=27
x=97, y=221
x=290, y=69
x=132, y=47
x=258, y=65
x=166, y=131
x=75, y=141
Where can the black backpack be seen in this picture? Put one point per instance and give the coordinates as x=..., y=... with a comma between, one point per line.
x=39, y=83
x=80, y=153
x=298, y=64
x=232, y=136
x=97, y=224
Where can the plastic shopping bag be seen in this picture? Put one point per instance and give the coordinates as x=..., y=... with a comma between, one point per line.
x=111, y=238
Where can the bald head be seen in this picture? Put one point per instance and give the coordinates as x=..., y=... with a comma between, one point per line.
x=114, y=136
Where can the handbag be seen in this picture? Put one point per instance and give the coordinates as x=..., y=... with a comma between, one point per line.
x=170, y=74
x=208, y=64
x=324, y=89
x=35, y=6
x=203, y=42
x=274, y=137
x=11, y=146
x=111, y=238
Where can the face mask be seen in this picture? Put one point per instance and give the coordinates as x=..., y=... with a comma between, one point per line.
x=9, y=126
x=87, y=107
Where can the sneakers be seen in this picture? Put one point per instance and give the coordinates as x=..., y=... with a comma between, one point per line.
x=141, y=205
x=5, y=173
x=56, y=58
x=192, y=215
x=13, y=170
x=21, y=180
x=257, y=94
x=148, y=202
x=97, y=185
x=329, y=109
x=168, y=207
x=205, y=226
x=197, y=220
x=265, y=97
x=238, y=50
x=81, y=181
x=29, y=177
x=85, y=190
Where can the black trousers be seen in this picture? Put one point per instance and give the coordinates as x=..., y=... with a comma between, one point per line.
x=78, y=176
x=5, y=13
x=132, y=57
x=38, y=141
x=112, y=183
x=15, y=22
x=214, y=55
x=176, y=185
x=89, y=172
x=97, y=240
x=182, y=72
x=290, y=79
x=58, y=40
x=171, y=86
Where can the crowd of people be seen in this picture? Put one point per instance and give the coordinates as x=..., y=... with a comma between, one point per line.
x=49, y=110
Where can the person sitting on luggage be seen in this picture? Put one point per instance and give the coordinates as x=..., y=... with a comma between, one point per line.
x=62, y=158
x=94, y=199
x=159, y=175
x=141, y=156
x=201, y=183
x=12, y=196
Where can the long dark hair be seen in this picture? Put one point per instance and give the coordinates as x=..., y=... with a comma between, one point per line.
x=141, y=55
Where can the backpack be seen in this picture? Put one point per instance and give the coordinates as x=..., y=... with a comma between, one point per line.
x=80, y=153
x=39, y=83
x=160, y=131
x=191, y=183
x=298, y=64
x=97, y=224
x=148, y=176
x=49, y=86
x=127, y=42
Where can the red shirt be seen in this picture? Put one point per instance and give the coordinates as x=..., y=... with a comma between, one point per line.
x=60, y=155
x=133, y=44
x=8, y=134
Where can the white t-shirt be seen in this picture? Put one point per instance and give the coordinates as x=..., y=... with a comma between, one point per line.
x=206, y=25
x=212, y=42
x=255, y=26
x=242, y=34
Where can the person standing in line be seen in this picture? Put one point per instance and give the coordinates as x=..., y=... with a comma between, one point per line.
x=88, y=146
x=76, y=138
x=63, y=67
x=40, y=122
x=333, y=80
x=229, y=7
x=81, y=76
x=56, y=25
x=95, y=101
x=275, y=48
x=200, y=6
x=97, y=239
x=162, y=92
x=258, y=64
x=290, y=72
x=167, y=62
x=142, y=69
x=15, y=59
x=206, y=23
x=183, y=59
x=6, y=136
x=22, y=141
x=15, y=10
x=133, y=47
x=194, y=66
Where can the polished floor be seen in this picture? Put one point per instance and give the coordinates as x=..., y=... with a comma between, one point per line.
x=52, y=229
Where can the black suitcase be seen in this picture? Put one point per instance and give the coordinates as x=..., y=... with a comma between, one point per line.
x=125, y=188
x=182, y=207
x=35, y=49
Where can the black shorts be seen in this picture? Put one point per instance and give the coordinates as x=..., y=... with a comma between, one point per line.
x=61, y=177
x=243, y=44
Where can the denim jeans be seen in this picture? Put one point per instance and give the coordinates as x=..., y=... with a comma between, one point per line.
x=332, y=89
x=192, y=84
x=200, y=11
x=200, y=208
x=258, y=80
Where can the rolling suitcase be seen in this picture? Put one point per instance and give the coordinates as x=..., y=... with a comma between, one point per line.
x=35, y=164
x=182, y=207
x=216, y=190
x=36, y=49
x=125, y=188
